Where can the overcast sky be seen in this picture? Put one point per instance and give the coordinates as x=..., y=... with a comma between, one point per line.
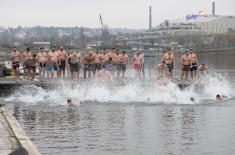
x=115, y=13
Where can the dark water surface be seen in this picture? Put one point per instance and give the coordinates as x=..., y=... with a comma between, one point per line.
x=206, y=128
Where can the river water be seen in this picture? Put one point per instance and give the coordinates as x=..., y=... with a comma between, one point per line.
x=132, y=117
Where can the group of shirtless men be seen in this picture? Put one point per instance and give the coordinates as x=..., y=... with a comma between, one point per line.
x=189, y=62
x=53, y=63
x=106, y=64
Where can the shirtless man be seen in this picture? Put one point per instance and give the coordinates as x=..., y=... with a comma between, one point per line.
x=137, y=62
x=54, y=56
x=124, y=62
x=119, y=64
x=62, y=61
x=194, y=61
x=15, y=57
x=32, y=63
x=185, y=65
x=97, y=61
x=202, y=70
x=41, y=58
x=169, y=59
x=74, y=62
x=87, y=62
x=27, y=55
x=50, y=66
x=162, y=70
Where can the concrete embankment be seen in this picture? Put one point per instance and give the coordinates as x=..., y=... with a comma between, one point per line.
x=13, y=140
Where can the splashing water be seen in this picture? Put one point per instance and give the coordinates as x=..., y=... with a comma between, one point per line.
x=129, y=92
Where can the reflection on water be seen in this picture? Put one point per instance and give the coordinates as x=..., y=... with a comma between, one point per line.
x=135, y=128
x=116, y=129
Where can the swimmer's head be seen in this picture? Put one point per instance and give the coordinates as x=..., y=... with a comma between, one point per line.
x=192, y=99
x=218, y=97
x=69, y=101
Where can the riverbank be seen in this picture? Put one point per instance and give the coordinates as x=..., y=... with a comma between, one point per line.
x=13, y=139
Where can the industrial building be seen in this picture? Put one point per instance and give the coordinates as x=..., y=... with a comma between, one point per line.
x=209, y=23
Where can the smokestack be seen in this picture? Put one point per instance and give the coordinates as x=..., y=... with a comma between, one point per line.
x=150, y=17
x=213, y=8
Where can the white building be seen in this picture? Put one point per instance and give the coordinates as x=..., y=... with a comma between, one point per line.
x=209, y=23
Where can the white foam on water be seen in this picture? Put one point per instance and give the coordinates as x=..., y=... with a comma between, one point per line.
x=215, y=84
x=132, y=92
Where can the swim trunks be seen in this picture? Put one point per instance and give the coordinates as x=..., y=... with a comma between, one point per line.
x=119, y=67
x=50, y=68
x=33, y=68
x=97, y=66
x=42, y=65
x=15, y=65
x=123, y=67
x=86, y=67
x=56, y=68
x=137, y=67
x=62, y=65
x=170, y=67
x=186, y=68
x=194, y=67
x=74, y=67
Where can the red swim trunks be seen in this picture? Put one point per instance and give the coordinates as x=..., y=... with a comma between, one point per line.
x=137, y=67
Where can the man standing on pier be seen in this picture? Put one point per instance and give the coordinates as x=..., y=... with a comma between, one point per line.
x=62, y=61
x=124, y=62
x=27, y=55
x=15, y=57
x=54, y=56
x=97, y=61
x=169, y=59
x=194, y=66
x=50, y=66
x=185, y=65
x=88, y=64
x=41, y=58
x=137, y=64
x=74, y=63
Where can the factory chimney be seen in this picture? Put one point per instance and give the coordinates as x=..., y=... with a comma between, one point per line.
x=213, y=8
x=150, y=17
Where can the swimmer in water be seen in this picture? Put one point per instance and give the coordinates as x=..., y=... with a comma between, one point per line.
x=192, y=99
x=219, y=97
x=161, y=81
x=71, y=102
x=103, y=74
